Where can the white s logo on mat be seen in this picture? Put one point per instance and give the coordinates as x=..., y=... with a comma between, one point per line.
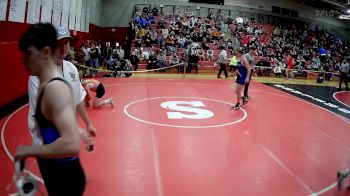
x=180, y=106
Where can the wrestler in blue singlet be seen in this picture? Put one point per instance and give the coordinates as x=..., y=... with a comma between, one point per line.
x=61, y=176
x=241, y=72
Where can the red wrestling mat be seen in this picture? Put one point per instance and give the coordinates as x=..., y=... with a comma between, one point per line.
x=179, y=137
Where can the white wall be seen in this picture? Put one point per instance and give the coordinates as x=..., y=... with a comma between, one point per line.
x=95, y=12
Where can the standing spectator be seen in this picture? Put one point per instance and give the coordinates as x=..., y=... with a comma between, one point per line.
x=120, y=52
x=134, y=60
x=250, y=58
x=222, y=60
x=87, y=59
x=107, y=52
x=290, y=66
x=94, y=58
x=344, y=71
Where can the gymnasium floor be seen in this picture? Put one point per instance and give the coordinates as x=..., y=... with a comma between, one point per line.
x=179, y=137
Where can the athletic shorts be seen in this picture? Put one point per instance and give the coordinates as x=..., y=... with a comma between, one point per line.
x=62, y=177
x=240, y=80
x=100, y=91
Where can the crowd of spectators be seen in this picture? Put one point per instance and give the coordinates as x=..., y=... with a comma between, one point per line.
x=162, y=41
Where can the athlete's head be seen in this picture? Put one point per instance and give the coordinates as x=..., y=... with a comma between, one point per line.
x=239, y=52
x=252, y=50
x=38, y=45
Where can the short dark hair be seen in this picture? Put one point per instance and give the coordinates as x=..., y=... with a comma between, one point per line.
x=240, y=50
x=39, y=35
x=252, y=47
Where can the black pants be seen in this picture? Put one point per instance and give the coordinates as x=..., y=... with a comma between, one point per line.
x=246, y=85
x=222, y=68
x=136, y=65
x=87, y=64
x=62, y=177
x=191, y=66
x=343, y=77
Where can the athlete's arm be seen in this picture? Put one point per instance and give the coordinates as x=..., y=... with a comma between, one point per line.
x=58, y=107
x=247, y=66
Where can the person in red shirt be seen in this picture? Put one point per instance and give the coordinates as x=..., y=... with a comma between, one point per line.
x=290, y=66
x=97, y=87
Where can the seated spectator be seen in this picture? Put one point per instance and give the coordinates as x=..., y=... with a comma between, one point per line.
x=229, y=44
x=154, y=36
x=201, y=56
x=193, y=62
x=168, y=41
x=215, y=34
x=120, y=52
x=152, y=61
x=174, y=59
x=205, y=45
x=165, y=31
x=145, y=10
x=146, y=54
x=138, y=42
x=161, y=60
x=141, y=32
x=148, y=40
x=210, y=54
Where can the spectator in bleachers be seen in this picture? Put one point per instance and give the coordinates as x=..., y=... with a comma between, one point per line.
x=174, y=59
x=148, y=40
x=161, y=59
x=134, y=60
x=215, y=33
x=229, y=44
x=210, y=54
x=145, y=54
x=154, y=36
x=152, y=61
x=120, y=52
x=155, y=11
x=201, y=56
x=145, y=10
x=161, y=40
x=168, y=41
x=141, y=32
x=278, y=70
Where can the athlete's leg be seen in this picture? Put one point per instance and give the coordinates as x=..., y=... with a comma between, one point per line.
x=99, y=103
